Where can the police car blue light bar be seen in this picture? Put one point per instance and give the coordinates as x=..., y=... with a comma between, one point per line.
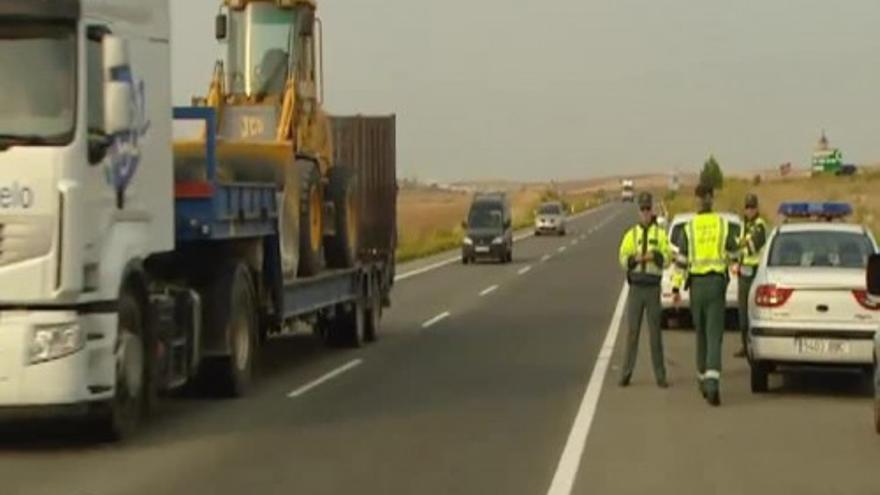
x=814, y=210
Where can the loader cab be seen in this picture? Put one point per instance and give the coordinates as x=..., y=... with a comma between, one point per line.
x=267, y=43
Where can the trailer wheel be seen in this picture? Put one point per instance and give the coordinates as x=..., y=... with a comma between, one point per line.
x=347, y=328
x=232, y=310
x=342, y=248
x=311, y=226
x=119, y=418
x=373, y=320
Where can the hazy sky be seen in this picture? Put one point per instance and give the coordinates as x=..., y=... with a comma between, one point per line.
x=580, y=88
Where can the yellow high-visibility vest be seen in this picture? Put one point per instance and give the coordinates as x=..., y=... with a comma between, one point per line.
x=750, y=255
x=707, y=237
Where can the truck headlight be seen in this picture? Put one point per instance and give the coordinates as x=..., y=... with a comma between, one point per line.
x=468, y=241
x=498, y=240
x=54, y=341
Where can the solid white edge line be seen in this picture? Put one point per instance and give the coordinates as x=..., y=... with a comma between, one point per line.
x=449, y=261
x=325, y=378
x=425, y=269
x=436, y=319
x=570, y=460
x=524, y=270
x=489, y=290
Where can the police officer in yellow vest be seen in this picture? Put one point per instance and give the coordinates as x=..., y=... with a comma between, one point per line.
x=644, y=252
x=751, y=241
x=705, y=251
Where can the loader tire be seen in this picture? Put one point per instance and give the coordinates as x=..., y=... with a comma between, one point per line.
x=311, y=226
x=288, y=224
x=341, y=249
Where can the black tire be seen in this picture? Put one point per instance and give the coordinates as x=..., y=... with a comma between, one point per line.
x=232, y=309
x=664, y=319
x=119, y=418
x=288, y=224
x=537, y=233
x=465, y=260
x=760, y=377
x=373, y=317
x=342, y=249
x=311, y=230
x=347, y=328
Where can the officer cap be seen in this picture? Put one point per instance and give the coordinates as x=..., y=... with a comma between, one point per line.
x=645, y=199
x=751, y=200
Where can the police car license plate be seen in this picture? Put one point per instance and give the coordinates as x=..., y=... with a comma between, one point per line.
x=815, y=347
x=482, y=249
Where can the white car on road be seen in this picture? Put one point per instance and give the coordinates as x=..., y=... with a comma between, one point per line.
x=675, y=232
x=808, y=304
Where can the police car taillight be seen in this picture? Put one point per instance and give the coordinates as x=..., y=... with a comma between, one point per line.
x=771, y=296
x=865, y=300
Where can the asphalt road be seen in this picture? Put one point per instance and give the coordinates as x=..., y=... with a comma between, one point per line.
x=487, y=379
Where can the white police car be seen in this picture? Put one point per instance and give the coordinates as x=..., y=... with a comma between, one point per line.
x=667, y=301
x=808, y=304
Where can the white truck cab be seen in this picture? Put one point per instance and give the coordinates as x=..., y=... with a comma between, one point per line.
x=86, y=185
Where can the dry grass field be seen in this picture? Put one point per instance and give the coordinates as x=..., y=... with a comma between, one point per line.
x=860, y=191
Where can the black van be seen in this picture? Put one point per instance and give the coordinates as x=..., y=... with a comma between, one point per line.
x=488, y=229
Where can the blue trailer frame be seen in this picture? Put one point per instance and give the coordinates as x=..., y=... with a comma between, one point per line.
x=214, y=210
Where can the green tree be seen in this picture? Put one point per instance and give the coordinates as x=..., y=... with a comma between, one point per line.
x=711, y=174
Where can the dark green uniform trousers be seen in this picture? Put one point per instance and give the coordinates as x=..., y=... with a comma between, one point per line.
x=708, y=294
x=644, y=299
x=744, y=285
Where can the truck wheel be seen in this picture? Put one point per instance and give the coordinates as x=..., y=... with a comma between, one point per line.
x=759, y=377
x=347, y=328
x=342, y=248
x=311, y=226
x=373, y=317
x=288, y=224
x=120, y=418
x=232, y=310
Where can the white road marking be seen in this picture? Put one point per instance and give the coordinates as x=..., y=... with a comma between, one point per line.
x=327, y=377
x=524, y=270
x=426, y=269
x=569, y=462
x=574, y=242
x=433, y=321
x=545, y=257
x=561, y=249
x=488, y=290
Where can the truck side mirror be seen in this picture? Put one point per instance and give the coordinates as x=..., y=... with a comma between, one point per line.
x=118, y=94
x=873, y=275
x=220, y=27
x=117, y=107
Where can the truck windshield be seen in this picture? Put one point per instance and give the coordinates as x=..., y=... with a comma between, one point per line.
x=38, y=77
x=259, y=47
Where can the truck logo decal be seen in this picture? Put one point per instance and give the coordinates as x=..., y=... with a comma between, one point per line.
x=124, y=154
x=16, y=196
